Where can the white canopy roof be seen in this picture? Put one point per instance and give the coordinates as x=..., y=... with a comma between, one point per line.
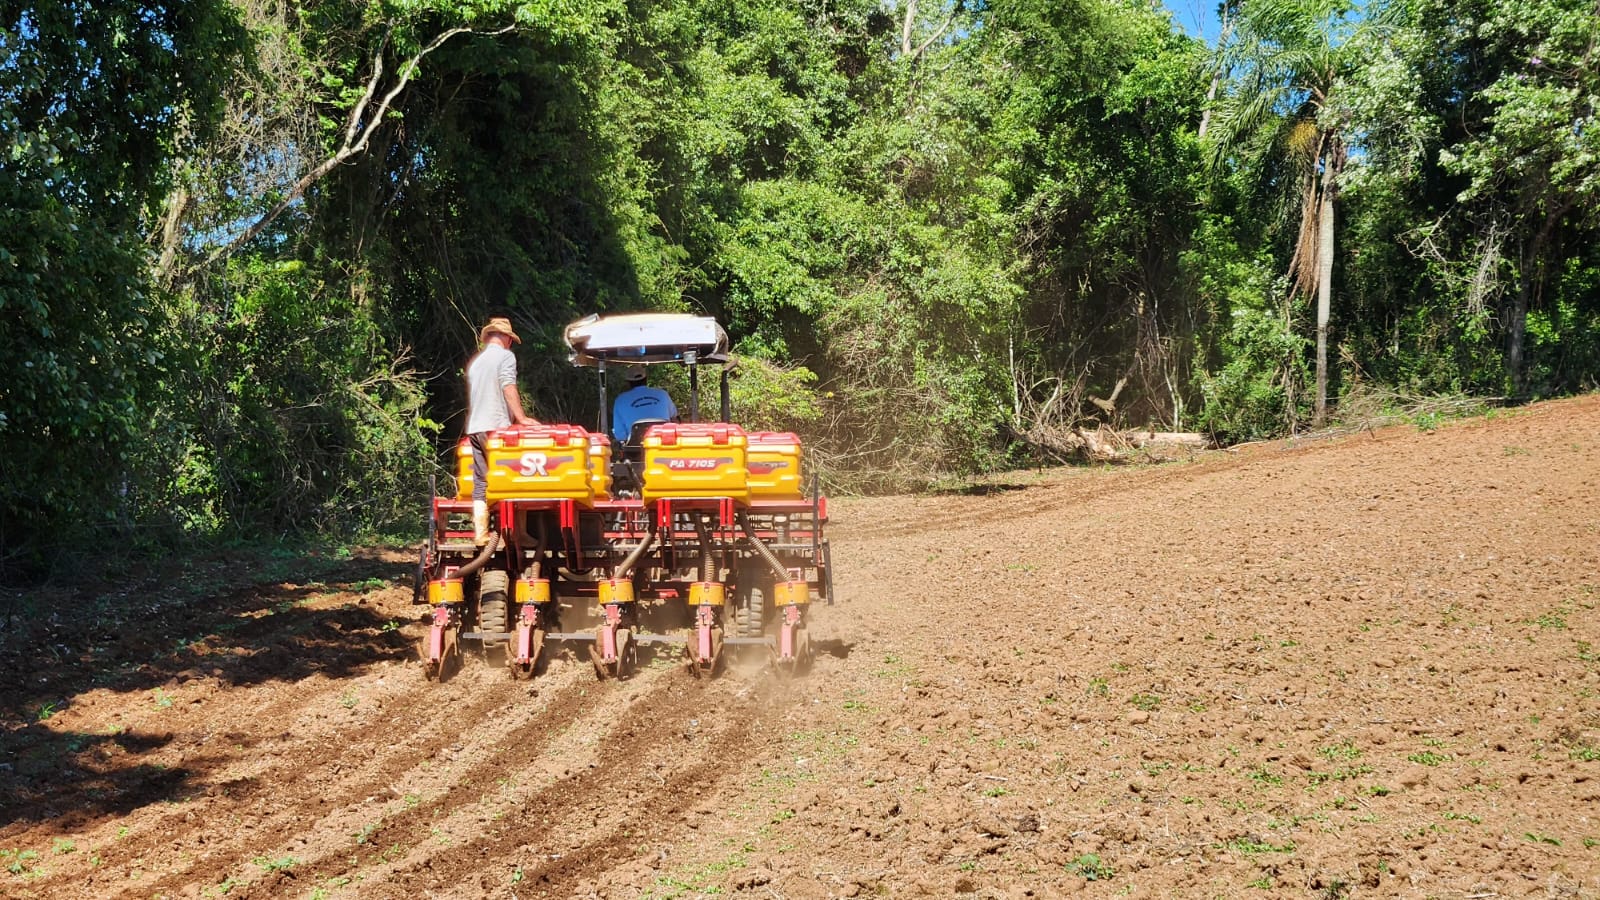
x=646, y=338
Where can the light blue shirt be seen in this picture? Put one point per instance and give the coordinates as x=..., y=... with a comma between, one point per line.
x=641, y=402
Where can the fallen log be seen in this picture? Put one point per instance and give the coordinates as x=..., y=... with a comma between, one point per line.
x=1186, y=439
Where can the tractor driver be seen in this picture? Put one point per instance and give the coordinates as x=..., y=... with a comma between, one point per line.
x=492, y=403
x=639, y=401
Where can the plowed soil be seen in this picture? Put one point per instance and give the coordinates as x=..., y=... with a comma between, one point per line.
x=1355, y=667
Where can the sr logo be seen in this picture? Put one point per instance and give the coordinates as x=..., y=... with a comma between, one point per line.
x=533, y=464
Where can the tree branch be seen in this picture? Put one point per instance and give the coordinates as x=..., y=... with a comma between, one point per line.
x=905, y=31
x=906, y=49
x=947, y=20
x=356, y=136
x=372, y=88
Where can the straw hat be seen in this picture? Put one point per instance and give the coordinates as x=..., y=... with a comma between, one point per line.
x=499, y=324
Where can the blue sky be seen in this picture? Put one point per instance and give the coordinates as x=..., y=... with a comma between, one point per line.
x=1196, y=17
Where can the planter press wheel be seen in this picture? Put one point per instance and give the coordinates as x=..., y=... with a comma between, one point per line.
x=627, y=661
x=802, y=656
x=449, y=660
x=536, y=653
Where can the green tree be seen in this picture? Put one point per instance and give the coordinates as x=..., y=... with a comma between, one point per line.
x=1528, y=158
x=1282, y=114
x=96, y=98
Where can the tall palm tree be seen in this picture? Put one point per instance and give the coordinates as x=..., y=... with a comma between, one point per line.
x=1282, y=67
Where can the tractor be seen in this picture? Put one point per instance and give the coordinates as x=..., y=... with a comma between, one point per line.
x=691, y=533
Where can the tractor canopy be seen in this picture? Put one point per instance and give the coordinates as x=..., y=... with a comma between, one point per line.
x=646, y=338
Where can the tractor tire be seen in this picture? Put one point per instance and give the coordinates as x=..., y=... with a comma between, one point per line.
x=493, y=587
x=751, y=612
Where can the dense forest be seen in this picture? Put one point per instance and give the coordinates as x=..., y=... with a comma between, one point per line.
x=245, y=244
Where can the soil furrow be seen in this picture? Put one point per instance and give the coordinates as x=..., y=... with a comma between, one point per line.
x=294, y=813
x=1368, y=666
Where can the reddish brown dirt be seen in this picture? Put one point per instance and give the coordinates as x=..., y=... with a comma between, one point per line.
x=1355, y=667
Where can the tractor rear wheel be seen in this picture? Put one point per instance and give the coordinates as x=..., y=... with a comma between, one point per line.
x=492, y=589
x=751, y=611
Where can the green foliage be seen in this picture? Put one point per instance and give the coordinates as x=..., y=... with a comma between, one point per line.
x=307, y=417
x=81, y=354
x=937, y=243
x=1505, y=228
x=1090, y=867
x=767, y=396
x=1255, y=392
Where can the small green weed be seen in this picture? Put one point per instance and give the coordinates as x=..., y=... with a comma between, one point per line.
x=20, y=862
x=1344, y=774
x=1251, y=847
x=63, y=845
x=163, y=700
x=1146, y=702
x=1428, y=758
x=1091, y=868
x=281, y=864
x=1463, y=817
x=1263, y=777
x=1538, y=838
x=1339, y=751
x=1555, y=620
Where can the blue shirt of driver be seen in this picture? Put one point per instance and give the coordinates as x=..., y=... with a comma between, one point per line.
x=639, y=402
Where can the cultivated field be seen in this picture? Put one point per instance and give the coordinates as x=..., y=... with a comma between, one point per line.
x=1357, y=667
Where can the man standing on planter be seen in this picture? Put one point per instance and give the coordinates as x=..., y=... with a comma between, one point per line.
x=492, y=403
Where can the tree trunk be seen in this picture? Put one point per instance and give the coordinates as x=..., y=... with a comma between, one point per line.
x=1216, y=76
x=1517, y=329
x=1530, y=288
x=1324, y=289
